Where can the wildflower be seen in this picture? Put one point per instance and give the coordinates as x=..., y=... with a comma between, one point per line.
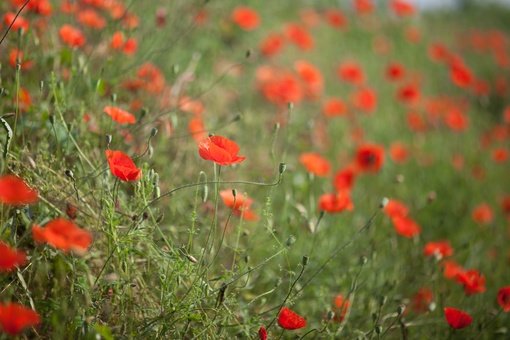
x=14, y=191
x=422, y=299
x=438, y=52
x=405, y=226
x=246, y=18
x=369, y=158
x=460, y=74
x=91, y=18
x=394, y=71
x=399, y=152
x=341, y=307
x=363, y=6
x=344, y=179
x=122, y=166
x=472, y=280
x=402, y=8
x=415, y=122
x=262, y=333
x=336, y=203
x=290, y=320
x=241, y=206
x=500, y=155
x=315, y=163
x=152, y=78
x=482, y=214
x=220, y=150
x=10, y=258
x=64, y=235
x=364, y=99
x=15, y=317
x=408, y=93
x=334, y=107
x=504, y=298
x=197, y=129
x=451, y=269
x=456, y=120
x=396, y=208
x=311, y=77
x=71, y=36
x=335, y=18
x=16, y=56
x=438, y=249
x=457, y=318
x=272, y=45
x=351, y=72
x=17, y=23
x=119, y=115
x=299, y=36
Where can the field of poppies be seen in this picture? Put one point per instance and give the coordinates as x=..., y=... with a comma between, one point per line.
x=283, y=169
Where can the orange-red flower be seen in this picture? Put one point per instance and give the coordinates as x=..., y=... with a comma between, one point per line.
x=405, y=226
x=364, y=99
x=299, y=36
x=119, y=115
x=220, y=150
x=363, y=6
x=500, y=155
x=122, y=166
x=71, y=36
x=472, y=280
x=241, y=204
x=341, y=307
x=460, y=74
x=399, y=152
x=64, y=235
x=482, y=214
x=336, y=18
x=457, y=318
x=408, y=93
x=16, y=57
x=262, y=333
x=422, y=300
x=246, y=18
x=369, y=158
x=290, y=320
x=272, y=45
x=14, y=191
x=315, y=163
x=15, y=317
x=351, y=72
x=504, y=298
x=394, y=71
x=91, y=18
x=438, y=249
x=451, y=269
x=344, y=179
x=402, y=8
x=311, y=77
x=336, y=203
x=197, y=129
x=334, y=107
x=17, y=23
x=10, y=258
x=396, y=208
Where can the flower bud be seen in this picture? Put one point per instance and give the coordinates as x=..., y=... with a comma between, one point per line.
x=331, y=315
x=401, y=309
x=305, y=260
x=383, y=203
x=282, y=168
x=363, y=260
x=69, y=174
x=378, y=329
x=108, y=139
x=382, y=300
x=290, y=240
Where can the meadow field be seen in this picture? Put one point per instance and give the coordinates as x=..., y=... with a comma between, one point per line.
x=260, y=170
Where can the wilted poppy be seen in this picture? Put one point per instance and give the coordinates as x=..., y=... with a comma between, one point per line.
x=290, y=320
x=262, y=333
x=336, y=203
x=504, y=298
x=457, y=318
x=64, y=235
x=10, y=258
x=119, y=115
x=15, y=317
x=122, y=166
x=472, y=280
x=482, y=214
x=220, y=150
x=369, y=158
x=14, y=191
x=405, y=226
x=315, y=163
x=439, y=249
x=246, y=18
x=71, y=36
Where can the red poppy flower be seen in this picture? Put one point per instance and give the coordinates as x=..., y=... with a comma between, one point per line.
x=152, y=78
x=402, y=8
x=64, y=235
x=451, y=269
x=246, y=18
x=394, y=71
x=341, y=307
x=299, y=36
x=396, y=208
x=16, y=57
x=504, y=298
x=369, y=158
x=472, y=280
x=290, y=320
x=456, y=119
x=405, y=226
x=422, y=300
x=412, y=34
x=242, y=204
x=460, y=74
x=363, y=6
x=119, y=115
x=262, y=333
x=71, y=36
x=220, y=150
x=335, y=18
x=482, y=214
x=91, y=18
x=15, y=317
x=334, y=107
x=351, y=72
x=19, y=22
x=15, y=192
x=315, y=164
x=280, y=88
x=408, y=93
x=415, y=122
x=197, y=128
x=10, y=258
x=438, y=249
x=311, y=77
x=272, y=45
x=500, y=155
x=122, y=166
x=364, y=100
x=336, y=203
x=457, y=318
x=344, y=179
x=399, y=152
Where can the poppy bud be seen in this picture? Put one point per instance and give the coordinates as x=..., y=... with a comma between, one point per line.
x=331, y=315
x=69, y=174
x=204, y=189
x=191, y=258
x=41, y=85
x=160, y=218
x=247, y=258
x=378, y=329
x=382, y=300
x=2, y=90
x=175, y=69
x=234, y=193
x=281, y=168
x=151, y=151
x=363, y=260
x=383, y=203
x=290, y=240
x=113, y=97
x=154, y=132
x=155, y=179
x=145, y=215
x=431, y=197
x=52, y=119
x=108, y=139
x=248, y=53
x=18, y=66
x=290, y=105
x=305, y=260
x=277, y=282
x=401, y=309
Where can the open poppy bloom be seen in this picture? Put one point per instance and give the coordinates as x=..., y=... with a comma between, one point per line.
x=71, y=36
x=364, y=99
x=64, y=235
x=334, y=107
x=394, y=71
x=290, y=320
x=122, y=166
x=335, y=18
x=262, y=333
x=299, y=36
x=457, y=318
x=438, y=249
x=336, y=203
x=315, y=163
x=405, y=226
x=246, y=18
x=351, y=72
x=396, y=208
x=344, y=179
x=402, y=8
x=241, y=204
x=504, y=298
x=341, y=307
x=220, y=150
x=10, y=258
x=472, y=280
x=399, y=152
x=369, y=158
x=422, y=300
x=15, y=317
x=272, y=45
x=482, y=214
x=451, y=269
x=119, y=115
x=14, y=191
